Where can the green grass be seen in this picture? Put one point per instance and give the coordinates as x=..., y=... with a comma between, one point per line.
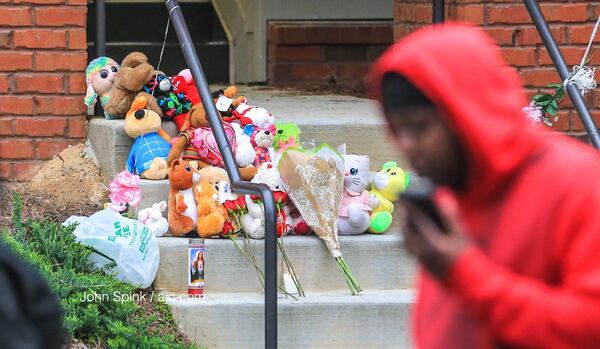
x=63, y=262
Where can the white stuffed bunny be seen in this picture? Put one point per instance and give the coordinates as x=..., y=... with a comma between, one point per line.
x=244, y=151
x=253, y=221
x=152, y=217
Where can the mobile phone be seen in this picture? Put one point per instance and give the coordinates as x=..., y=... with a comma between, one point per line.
x=421, y=196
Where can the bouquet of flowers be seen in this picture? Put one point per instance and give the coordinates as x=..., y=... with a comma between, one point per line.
x=314, y=181
x=125, y=193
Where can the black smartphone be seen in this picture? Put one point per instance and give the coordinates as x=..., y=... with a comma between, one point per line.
x=421, y=196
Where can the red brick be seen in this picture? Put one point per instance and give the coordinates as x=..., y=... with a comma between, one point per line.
x=414, y=13
x=566, y=12
x=503, y=36
x=16, y=149
x=24, y=171
x=470, y=14
x=39, y=83
x=35, y=127
x=352, y=71
x=39, y=38
x=577, y=125
x=572, y=56
x=77, y=127
x=6, y=127
x=15, y=16
x=13, y=61
x=46, y=149
x=375, y=51
x=5, y=39
x=77, y=2
x=77, y=83
x=580, y=34
x=520, y=57
x=16, y=105
x=508, y=15
x=40, y=2
x=311, y=71
x=61, y=16
x=401, y=30
x=4, y=83
x=279, y=72
x=530, y=35
x=344, y=53
x=539, y=77
x=302, y=53
x=48, y=61
x=77, y=39
x=564, y=121
x=63, y=105
x=5, y=171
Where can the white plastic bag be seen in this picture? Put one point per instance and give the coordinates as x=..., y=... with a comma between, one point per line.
x=126, y=241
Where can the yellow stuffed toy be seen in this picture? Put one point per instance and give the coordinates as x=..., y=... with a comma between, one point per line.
x=211, y=214
x=386, y=187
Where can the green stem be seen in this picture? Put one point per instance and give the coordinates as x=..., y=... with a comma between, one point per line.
x=290, y=268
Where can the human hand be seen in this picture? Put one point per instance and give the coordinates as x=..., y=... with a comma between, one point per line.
x=437, y=250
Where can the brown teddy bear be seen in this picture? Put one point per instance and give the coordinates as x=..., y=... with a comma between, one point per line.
x=182, y=215
x=196, y=142
x=149, y=152
x=134, y=73
x=211, y=214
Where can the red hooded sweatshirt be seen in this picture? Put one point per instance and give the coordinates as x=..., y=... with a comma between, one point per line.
x=531, y=205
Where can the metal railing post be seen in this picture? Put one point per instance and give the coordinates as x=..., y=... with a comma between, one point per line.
x=438, y=11
x=237, y=184
x=100, y=42
x=540, y=23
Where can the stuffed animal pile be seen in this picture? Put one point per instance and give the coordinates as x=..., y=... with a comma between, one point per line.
x=200, y=199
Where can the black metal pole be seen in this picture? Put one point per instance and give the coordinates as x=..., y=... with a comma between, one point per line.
x=540, y=23
x=191, y=57
x=438, y=11
x=100, y=43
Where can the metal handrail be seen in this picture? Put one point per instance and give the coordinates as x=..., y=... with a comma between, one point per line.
x=438, y=11
x=237, y=183
x=542, y=27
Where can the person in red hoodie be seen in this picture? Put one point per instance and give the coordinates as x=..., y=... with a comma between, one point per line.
x=517, y=264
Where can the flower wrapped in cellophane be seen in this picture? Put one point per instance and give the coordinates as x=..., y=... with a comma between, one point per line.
x=314, y=180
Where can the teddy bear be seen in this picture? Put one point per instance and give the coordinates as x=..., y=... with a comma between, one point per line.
x=171, y=103
x=149, y=152
x=99, y=77
x=197, y=143
x=354, y=216
x=386, y=187
x=220, y=180
x=152, y=217
x=211, y=213
x=134, y=73
x=247, y=114
x=253, y=222
x=262, y=141
x=182, y=214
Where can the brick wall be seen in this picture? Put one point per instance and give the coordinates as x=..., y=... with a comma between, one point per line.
x=42, y=64
x=325, y=52
x=508, y=22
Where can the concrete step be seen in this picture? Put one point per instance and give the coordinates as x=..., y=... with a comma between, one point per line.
x=374, y=319
x=379, y=262
x=326, y=119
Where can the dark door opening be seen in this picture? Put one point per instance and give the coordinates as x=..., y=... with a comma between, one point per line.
x=140, y=27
